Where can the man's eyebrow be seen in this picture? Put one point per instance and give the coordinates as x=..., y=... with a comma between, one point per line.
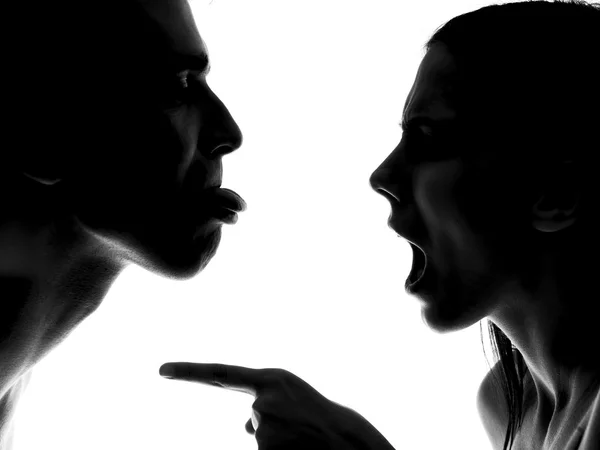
x=196, y=62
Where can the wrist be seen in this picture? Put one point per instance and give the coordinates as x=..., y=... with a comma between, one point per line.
x=358, y=433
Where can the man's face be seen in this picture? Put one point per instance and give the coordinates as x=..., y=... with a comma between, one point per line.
x=452, y=199
x=146, y=191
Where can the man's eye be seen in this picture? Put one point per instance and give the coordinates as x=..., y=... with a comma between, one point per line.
x=180, y=91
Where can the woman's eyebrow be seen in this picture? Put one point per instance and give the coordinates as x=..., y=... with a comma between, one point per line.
x=416, y=122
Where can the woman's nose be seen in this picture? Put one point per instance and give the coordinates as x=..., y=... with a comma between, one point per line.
x=392, y=178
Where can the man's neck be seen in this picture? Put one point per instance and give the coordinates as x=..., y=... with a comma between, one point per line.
x=53, y=274
x=8, y=403
x=52, y=286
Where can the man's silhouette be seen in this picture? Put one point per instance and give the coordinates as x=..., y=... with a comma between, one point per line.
x=116, y=159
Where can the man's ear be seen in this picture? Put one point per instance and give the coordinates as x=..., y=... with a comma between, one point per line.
x=556, y=208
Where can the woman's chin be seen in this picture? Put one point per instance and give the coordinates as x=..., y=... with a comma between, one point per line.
x=445, y=315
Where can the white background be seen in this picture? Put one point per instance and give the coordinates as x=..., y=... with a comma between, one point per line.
x=310, y=279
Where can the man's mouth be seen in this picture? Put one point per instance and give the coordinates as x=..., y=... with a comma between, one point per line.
x=225, y=198
x=217, y=203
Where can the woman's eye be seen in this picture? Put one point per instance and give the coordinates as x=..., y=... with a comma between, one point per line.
x=418, y=146
x=421, y=147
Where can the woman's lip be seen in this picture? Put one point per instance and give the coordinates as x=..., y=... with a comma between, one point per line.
x=419, y=265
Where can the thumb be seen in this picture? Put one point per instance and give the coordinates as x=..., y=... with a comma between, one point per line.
x=249, y=428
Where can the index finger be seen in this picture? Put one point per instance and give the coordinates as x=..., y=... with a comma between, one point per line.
x=235, y=378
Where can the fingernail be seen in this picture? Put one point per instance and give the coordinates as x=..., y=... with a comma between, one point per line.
x=167, y=371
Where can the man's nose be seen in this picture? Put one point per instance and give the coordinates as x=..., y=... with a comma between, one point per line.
x=222, y=135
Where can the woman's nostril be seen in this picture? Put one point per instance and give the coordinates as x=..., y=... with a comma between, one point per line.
x=391, y=197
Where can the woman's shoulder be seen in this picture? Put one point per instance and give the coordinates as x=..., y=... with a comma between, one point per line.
x=591, y=436
x=492, y=406
x=494, y=415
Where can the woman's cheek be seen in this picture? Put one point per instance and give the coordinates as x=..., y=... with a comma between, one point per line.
x=435, y=193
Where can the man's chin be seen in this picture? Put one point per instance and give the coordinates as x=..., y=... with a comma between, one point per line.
x=182, y=259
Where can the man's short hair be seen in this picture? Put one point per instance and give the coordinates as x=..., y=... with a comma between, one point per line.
x=72, y=71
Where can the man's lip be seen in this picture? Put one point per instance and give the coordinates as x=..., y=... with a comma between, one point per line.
x=225, y=198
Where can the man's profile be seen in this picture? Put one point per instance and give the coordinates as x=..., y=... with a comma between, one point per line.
x=116, y=159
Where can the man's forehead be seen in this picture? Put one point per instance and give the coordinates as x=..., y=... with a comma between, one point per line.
x=176, y=21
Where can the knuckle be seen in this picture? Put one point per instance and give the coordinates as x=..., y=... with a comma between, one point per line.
x=219, y=375
x=276, y=373
x=278, y=377
x=188, y=372
x=260, y=404
x=263, y=434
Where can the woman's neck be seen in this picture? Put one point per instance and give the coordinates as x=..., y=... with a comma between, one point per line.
x=555, y=335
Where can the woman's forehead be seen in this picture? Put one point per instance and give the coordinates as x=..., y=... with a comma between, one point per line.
x=431, y=94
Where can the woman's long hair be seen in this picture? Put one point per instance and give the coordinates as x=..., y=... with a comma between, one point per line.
x=511, y=382
x=528, y=69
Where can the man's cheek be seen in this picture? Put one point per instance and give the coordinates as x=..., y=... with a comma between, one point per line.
x=181, y=133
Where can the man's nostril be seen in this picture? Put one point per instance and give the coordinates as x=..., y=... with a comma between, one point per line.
x=222, y=150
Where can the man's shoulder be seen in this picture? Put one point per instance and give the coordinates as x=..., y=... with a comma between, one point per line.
x=8, y=404
x=492, y=406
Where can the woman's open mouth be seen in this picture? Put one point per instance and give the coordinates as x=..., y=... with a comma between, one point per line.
x=418, y=266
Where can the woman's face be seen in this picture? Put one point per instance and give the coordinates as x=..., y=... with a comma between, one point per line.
x=145, y=191
x=452, y=199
